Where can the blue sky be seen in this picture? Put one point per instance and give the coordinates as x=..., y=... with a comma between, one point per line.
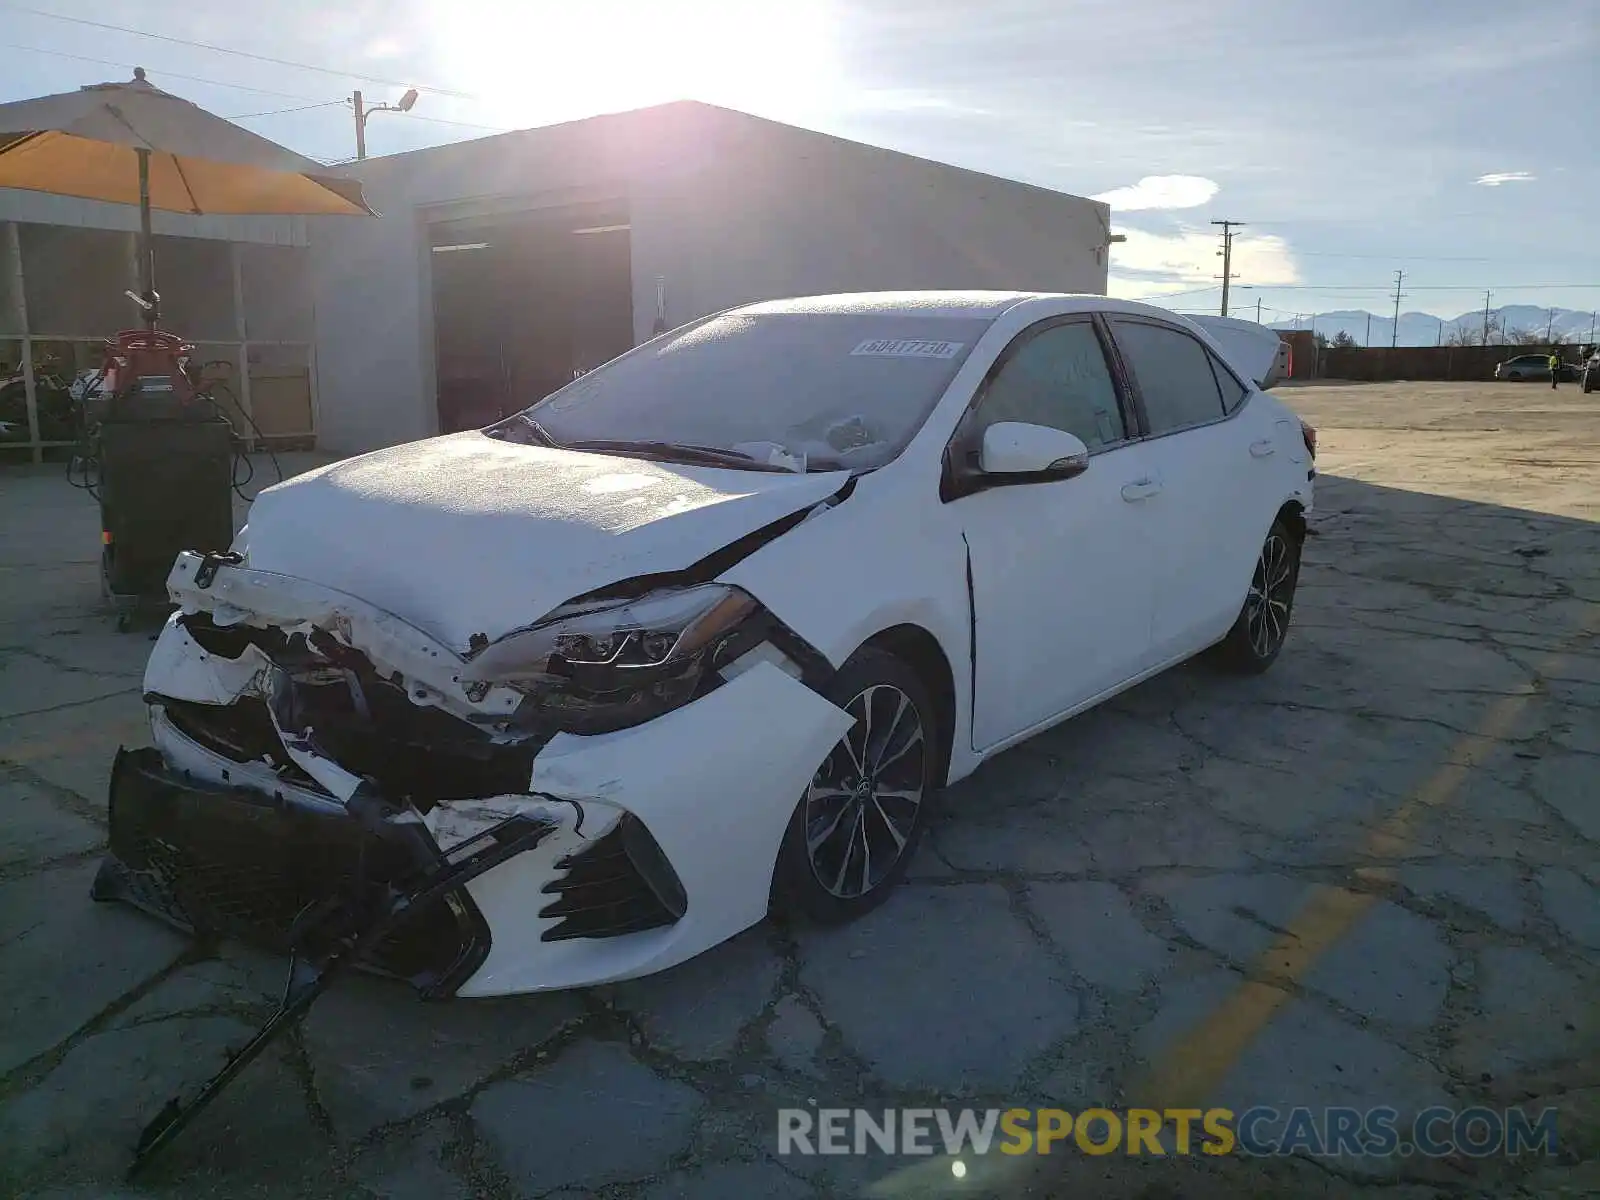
x=1456, y=141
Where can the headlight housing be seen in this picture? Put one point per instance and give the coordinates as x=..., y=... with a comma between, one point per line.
x=592, y=667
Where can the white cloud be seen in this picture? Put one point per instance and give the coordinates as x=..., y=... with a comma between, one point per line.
x=1496, y=178
x=1162, y=262
x=1161, y=191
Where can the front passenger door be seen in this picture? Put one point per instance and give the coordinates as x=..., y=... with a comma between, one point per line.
x=1061, y=585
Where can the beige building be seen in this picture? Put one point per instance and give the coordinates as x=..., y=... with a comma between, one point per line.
x=503, y=265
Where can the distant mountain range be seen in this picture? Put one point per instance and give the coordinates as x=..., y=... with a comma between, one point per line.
x=1426, y=329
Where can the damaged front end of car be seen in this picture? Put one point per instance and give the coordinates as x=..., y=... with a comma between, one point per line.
x=335, y=784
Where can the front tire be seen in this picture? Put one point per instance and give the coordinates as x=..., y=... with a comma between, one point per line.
x=854, y=832
x=1252, y=645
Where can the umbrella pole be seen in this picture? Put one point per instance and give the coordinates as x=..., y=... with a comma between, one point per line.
x=147, y=252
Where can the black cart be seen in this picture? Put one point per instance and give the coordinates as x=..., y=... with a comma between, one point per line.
x=164, y=458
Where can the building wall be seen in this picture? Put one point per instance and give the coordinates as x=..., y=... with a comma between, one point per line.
x=725, y=209
x=373, y=278
x=1303, y=345
x=778, y=211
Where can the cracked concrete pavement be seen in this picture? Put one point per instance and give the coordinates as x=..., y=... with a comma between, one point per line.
x=1371, y=876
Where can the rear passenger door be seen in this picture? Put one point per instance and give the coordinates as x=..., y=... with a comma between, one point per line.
x=1214, y=458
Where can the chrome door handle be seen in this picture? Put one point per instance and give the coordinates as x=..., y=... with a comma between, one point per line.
x=1262, y=448
x=1140, y=489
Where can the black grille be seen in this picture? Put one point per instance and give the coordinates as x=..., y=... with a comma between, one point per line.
x=604, y=894
x=238, y=863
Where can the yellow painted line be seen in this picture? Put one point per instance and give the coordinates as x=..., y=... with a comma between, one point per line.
x=1190, y=1072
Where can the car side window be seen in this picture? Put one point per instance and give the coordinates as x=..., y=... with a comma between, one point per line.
x=1174, y=375
x=1233, y=392
x=1057, y=377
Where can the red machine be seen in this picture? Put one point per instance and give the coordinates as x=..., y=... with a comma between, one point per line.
x=150, y=362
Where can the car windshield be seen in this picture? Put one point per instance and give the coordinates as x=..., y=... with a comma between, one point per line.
x=802, y=391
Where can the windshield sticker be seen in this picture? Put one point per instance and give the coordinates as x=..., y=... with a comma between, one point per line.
x=907, y=348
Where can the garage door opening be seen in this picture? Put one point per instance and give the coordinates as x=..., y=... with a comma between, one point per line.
x=523, y=304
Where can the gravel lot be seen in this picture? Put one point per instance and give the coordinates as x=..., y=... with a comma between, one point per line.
x=1371, y=876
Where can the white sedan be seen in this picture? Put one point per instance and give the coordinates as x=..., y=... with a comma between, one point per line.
x=575, y=697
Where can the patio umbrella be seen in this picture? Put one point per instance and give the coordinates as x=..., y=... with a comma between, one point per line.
x=132, y=143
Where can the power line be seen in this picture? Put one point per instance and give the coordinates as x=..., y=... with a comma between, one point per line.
x=1403, y=257
x=106, y=62
x=463, y=124
x=1171, y=295
x=1421, y=287
x=279, y=111
x=280, y=62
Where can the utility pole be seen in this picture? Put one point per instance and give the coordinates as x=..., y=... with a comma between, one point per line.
x=1439, y=341
x=1486, y=316
x=1549, y=325
x=1394, y=334
x=1367, y=341
x=1258, y=315
x=363, y=113
x=1227, y=257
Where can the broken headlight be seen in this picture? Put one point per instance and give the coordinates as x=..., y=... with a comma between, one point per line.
x=604, y=665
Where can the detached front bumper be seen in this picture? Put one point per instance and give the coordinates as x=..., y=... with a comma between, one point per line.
x=223, y=861
x=661, y=837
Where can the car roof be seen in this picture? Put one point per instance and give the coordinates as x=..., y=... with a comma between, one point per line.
x=973, y=304
x=979, y=305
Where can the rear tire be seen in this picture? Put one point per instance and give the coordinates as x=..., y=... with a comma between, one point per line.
x=1257, y=636
x=857, y=826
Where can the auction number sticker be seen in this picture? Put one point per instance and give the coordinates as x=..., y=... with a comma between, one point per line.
x=907, y=348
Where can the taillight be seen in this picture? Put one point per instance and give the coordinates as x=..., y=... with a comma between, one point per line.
x=1309, y=433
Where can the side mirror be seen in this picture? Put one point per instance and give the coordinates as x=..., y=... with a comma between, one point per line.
x=1014, y=451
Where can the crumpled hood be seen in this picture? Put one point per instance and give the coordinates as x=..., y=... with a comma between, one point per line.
x=463, y=534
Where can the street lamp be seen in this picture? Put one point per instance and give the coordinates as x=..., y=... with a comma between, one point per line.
x=405, y=105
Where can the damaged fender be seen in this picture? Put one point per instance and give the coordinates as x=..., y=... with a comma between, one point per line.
x=758, y=738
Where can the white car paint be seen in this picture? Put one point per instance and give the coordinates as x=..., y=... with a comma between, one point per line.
x=726, y=864
x=1078, y=589
x=462, y=535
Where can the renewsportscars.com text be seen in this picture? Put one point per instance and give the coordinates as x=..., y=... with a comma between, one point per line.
x=1257, y=1132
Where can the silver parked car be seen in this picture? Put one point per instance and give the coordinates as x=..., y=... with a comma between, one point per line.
x=1532, y=366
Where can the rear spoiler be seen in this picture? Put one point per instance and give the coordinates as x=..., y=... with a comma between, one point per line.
x=1252, y=350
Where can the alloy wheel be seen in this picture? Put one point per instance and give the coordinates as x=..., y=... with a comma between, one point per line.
x=863, y=803
x=1271, y=590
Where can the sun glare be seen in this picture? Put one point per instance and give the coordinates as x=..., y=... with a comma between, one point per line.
x=534, y=62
